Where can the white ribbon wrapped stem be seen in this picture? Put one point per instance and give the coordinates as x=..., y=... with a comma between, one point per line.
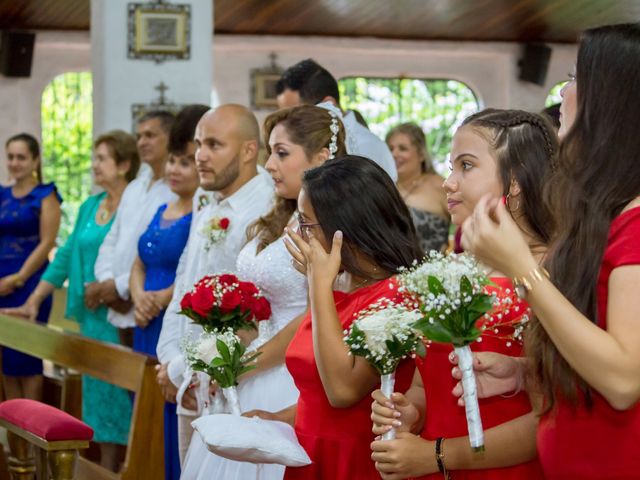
x=472, y=409
x=217, y=401
x=233, y=402
x=387, y=382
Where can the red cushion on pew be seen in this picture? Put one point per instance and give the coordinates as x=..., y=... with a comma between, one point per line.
x=44, y=420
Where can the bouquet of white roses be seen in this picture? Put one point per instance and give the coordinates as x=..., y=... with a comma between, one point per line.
x=450, y=291
x=221, y=355
x=384, y=335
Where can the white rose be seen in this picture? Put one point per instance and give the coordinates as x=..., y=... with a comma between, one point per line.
x=206, y=349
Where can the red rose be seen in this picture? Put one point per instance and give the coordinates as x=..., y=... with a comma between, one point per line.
x=230, y=300
x=186, y=301
x=227, y=279
x=261, y=309
x=248, y=289
x=224, y=223
x=202, y=300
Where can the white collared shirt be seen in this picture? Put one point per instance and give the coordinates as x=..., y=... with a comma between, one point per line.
x=250, y=202
x=138, y=205
x=367, y=144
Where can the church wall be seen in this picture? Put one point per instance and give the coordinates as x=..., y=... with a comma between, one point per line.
x=490, y=69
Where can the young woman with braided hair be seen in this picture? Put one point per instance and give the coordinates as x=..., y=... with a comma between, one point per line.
x=505, y=153
x=584, y=345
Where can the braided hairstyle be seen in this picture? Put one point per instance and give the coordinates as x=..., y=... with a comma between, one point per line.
x=524, y=144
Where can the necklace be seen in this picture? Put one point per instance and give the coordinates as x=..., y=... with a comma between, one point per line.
x=103, y=212
x=406, y=193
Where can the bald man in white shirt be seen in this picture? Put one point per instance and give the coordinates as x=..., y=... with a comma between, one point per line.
x=227, y=144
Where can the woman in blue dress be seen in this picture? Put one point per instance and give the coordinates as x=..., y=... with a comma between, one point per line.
x=153, y=274
x=105, y=407
x=29, y=222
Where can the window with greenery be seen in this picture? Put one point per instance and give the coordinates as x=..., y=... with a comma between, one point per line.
x=67, y=124
x=438, y=106
x=554, y=94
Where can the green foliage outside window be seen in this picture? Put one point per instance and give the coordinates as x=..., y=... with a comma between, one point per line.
x=67, y=123
x=438, y=106
x=554, y=94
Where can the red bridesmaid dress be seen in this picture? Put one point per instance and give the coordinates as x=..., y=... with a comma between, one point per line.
x=445, y=418
x=336, y=439
x=601, y=442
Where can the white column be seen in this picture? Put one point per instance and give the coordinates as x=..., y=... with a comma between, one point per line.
x=119, y=82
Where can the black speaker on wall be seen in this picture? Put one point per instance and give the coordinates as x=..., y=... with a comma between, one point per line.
x=534, y=63
x=16, y=53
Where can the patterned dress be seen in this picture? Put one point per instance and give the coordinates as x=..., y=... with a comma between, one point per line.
x=432, y=229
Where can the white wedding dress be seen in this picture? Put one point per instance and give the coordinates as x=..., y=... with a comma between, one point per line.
x=272, y=390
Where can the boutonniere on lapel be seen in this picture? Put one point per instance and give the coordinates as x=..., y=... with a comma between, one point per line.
x=203, y=201
x=215, y=230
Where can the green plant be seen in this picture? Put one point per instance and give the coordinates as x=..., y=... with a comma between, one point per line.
x=67, y=124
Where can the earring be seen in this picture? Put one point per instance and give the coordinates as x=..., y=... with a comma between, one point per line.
x=508, y=201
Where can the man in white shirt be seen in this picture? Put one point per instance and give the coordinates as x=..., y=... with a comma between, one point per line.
x=227, y=145
x=307, y=83
x=139, y=203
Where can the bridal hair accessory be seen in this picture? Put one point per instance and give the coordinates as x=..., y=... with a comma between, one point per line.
x=333, y=145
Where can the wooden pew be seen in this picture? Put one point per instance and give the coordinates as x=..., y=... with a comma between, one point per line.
x=111, y=363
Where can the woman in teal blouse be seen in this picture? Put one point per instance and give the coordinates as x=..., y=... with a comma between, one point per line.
x=106, y=408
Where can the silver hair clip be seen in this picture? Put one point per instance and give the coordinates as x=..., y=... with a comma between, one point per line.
x=333, y=145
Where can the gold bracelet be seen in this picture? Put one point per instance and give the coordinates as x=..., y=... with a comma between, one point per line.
x=523, y=285
x=440, y=458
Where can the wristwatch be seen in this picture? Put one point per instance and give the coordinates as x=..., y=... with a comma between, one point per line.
x=523, y=285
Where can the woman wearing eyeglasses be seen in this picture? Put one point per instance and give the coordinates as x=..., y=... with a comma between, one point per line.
x=355, y=233
x=298, y=139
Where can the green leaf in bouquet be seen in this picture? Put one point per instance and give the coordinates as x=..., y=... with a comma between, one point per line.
x=218, y=362
x=229, y=376
x=480, y=304
x=435, y=286
x=421, y=351
x=223, y=350
x=465, y=338
x=437, y=333
x=251, y=358
x=246, y=368
x=394, y=346
x=466, y=289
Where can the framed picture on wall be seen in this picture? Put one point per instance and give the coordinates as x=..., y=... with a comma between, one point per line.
x=159, y=31
x=263, y=89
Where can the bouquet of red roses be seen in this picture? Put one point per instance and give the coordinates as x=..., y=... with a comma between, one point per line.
x=221, y=302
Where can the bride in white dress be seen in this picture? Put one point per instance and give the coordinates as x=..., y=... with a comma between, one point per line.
x=299, y=138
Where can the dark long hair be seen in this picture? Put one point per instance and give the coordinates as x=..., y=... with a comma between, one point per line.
x=33, y=146
x=597, y=174
x=354, y=195
x=525, y=145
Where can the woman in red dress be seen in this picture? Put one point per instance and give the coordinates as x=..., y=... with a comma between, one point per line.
x=503, y=153
x=584, y=347
x=355, y=232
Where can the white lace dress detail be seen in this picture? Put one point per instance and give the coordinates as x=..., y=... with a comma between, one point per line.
x=286, y=289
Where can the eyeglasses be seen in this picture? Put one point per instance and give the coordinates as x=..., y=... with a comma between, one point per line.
x=304, y=227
